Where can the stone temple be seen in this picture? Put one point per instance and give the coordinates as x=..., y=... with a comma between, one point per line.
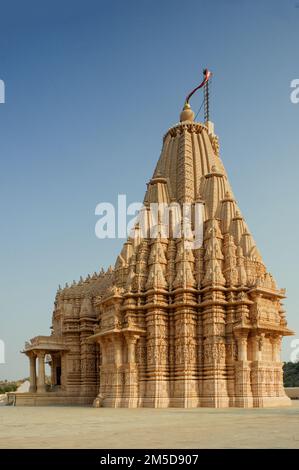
x=171, y=324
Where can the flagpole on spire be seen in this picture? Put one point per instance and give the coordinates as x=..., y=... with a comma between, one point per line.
x=206, y=101
x=207, y=75
x=187, y=113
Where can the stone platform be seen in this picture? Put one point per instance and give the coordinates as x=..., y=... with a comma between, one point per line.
x=46, y=399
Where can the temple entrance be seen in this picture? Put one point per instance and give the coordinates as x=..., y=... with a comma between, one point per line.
x=55, y=364
x=58, y=375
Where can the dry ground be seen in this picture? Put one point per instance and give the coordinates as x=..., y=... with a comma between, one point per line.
x=75, y=427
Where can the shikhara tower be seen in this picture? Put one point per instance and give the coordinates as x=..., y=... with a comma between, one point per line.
x=170, y=326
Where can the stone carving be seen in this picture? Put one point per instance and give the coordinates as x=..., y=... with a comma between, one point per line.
x=174, y=324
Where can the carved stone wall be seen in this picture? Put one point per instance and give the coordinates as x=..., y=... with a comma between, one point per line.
x=177, y=324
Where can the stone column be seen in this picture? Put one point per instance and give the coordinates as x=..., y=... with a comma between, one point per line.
x=242, y=346
x=103, y=346
x=53, y=370
x=130, y=390
x=258, y=345
x=277, y=373
x=41, y=380
x=32, y=359
x=275, y=341
x=117, y=351
x=131, y=342
x=243, y=392
x=104, y=386
x=259, y=378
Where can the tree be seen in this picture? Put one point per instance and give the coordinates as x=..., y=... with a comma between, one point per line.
x=291, y=374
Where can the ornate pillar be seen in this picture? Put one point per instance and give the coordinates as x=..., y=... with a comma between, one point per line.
x=104, y=374
x=258, y=346
x=103, y=346
x=185, y=386
x=131, y=342
x=258, y=372
x=130, y=392
x=157, y=326
x=214, y=351
x=87, y=350
x=184, y=390
x=276, y=341
x=213, y=306
x=157, y=385
x=242, y=346
x=32, y=359
x=117, y=351
x=243, y=392
x=104, y=386
x=53, y=370
x=231, y=348
x=278, y=388
x=72, y=362
x=117, y=380
x=41, y=380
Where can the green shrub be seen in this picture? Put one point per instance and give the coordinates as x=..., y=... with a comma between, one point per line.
x=10, y=387
x=291, y=374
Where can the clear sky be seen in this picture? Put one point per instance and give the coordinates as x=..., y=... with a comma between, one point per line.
x=91, y=87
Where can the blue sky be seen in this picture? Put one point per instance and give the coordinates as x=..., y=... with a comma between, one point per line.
x=91, y=87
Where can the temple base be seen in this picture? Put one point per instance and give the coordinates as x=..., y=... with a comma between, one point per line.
x=271, y=402
x=47, y=399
